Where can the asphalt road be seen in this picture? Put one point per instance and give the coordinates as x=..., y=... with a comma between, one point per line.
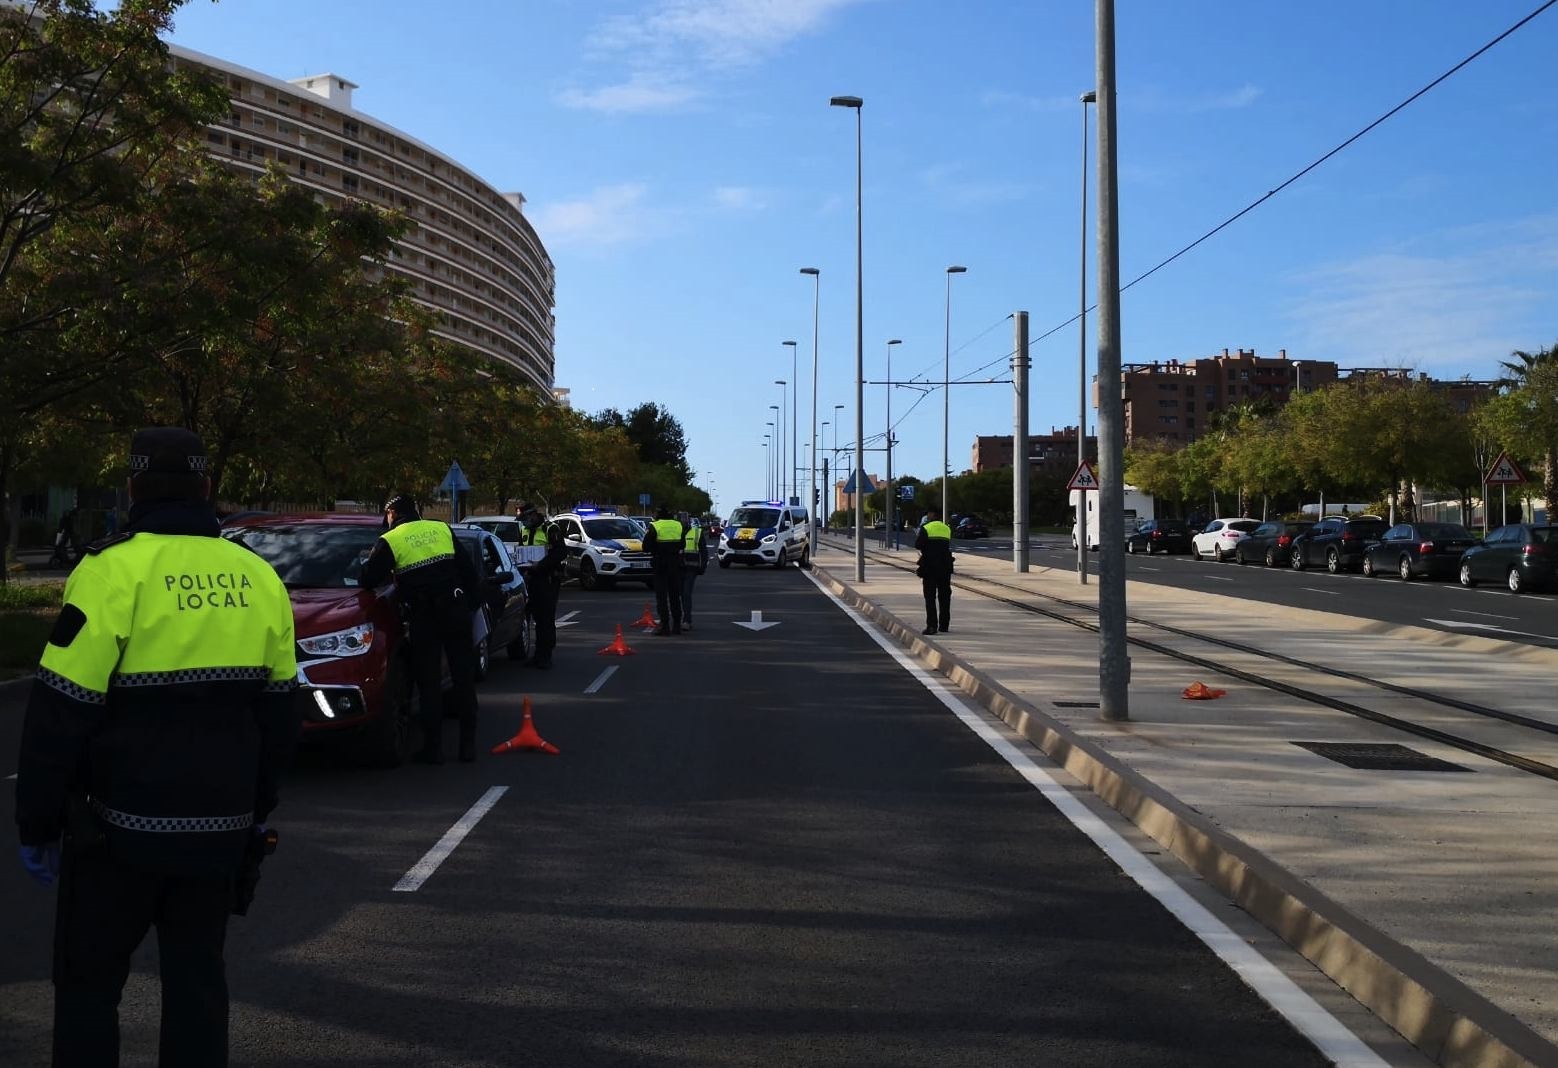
x=757, y=847
x=1487, y=610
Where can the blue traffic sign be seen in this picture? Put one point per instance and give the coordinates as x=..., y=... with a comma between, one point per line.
x=865, y=480
x=906, y=493
x=455, y=481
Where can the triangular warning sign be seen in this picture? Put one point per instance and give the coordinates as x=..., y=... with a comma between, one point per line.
x=1504, y=472
x=1084, y=479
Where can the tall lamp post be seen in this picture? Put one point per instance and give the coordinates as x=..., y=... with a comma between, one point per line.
x=783, y=401
x=815, y=505
x=768, y=465
x=946, y=394
x=795, y=406
x=838, y=424
x=1089, y=97
x=858, y=105
x=772, y=467
x=889, y=532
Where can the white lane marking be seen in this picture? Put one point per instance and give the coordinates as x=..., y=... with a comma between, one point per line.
x=1307, y=1016
x=567, y=620
x=423, y=869
x=1486, y=615
x=11, y=776
x=1149, y=569
x=1316, y=589
x=600, y=680
x=756, y=622
x=1467, y=624
x=1218, y=578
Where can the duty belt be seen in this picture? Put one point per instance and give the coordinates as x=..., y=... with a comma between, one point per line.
x=171, y=824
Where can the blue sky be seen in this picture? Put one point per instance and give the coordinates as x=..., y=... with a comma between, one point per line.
x=681, y=164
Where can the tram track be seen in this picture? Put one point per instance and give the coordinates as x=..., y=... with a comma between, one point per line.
x=1084, y=616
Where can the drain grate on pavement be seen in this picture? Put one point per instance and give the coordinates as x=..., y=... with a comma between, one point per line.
x=1369, y=756
x=1076, y=704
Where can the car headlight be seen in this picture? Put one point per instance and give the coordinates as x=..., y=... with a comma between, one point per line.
x=770, y=538
x=608, y=552
x=354, y=641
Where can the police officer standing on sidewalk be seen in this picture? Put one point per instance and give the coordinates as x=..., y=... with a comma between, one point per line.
x=695, y=561
x=438, y=588
x=543, y=581
x=665, y=542
x=160, y=720
x=934, y=542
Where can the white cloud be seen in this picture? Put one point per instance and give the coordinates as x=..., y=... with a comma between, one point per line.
x=1155, y=101
x=675, y=44
x=635, y=96
x=740, y=198
x=1001, y=98
x=952, y=183
x=610, y=215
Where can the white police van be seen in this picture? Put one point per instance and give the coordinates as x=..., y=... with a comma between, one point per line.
x=766, y=532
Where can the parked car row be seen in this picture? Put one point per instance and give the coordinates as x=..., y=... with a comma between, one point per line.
x=354, y=670
x=1522, y=556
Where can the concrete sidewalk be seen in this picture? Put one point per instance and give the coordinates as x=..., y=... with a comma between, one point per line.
x=1428, y=895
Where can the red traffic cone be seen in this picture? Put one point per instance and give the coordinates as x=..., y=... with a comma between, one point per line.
x=647, y=620
x=618, y=647
x=527, y=738
x=1200, y=691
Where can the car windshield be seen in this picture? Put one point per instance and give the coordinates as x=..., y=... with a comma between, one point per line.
x=507, y=529
x=1443, y=530
x=755, y=517
x=611, y=529
x=323, y=555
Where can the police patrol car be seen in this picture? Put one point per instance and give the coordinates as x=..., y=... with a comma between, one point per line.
x=766, y=532
x=603, y=547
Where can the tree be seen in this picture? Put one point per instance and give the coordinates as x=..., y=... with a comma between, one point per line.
x=655, y=433
x=1533, y=377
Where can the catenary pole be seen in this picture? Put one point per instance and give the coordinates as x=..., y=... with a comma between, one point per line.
x=1020, y=462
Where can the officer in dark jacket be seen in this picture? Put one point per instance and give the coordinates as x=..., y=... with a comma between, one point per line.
x=543, y=582
x=160, y=720
x=439, y=592
x=665, y=542
x=695, y=561
x=934, y=542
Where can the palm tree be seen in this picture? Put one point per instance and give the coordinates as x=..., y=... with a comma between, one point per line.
x=1535, y=371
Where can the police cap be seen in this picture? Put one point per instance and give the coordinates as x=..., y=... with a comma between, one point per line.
x=167, y=450
x=403, y=505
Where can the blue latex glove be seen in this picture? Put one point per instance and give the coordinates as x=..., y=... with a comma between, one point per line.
x=42, y=862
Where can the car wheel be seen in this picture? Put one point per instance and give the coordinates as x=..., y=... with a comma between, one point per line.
x=1217, y=553
x=1404, y=569
x=1271, y=558
x=1195, y=551
x=1514, y=581
x=588, y=579
x=1297, y=561
x=389, y=740
x=780, y=561
x=483, y=657
x=806, y=558
x=1466, y=579
x=519, y=648
x=1073, y=543
x=1130, y=547
x=724, y=565
x=1333, y=561
x=1368, y=567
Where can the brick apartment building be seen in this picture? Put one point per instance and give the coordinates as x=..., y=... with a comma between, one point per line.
x=1053, y=453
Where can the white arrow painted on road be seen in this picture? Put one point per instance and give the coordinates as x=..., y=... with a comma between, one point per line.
x=756, y=622
x=568, y=620
x=1488, y=626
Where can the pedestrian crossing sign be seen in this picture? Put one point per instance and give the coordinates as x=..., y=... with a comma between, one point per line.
x=1504, y=472
x=1084, y=479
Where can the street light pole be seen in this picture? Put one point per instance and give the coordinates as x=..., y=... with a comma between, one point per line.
x=889, y=532
x=784, y=400
x=768, y=466
x=1089, y=97
x=946, y=394
x=837, y=408
x=815, y=504
x=858, y=105
x=773, y=482
x=795, y=407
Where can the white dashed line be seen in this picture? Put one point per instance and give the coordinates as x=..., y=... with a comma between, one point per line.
x=423, y=869
x=600, y=680
x=1328, y=593
x=1487, y=615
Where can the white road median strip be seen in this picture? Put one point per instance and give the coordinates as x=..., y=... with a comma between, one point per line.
x=1325, y=1031
x=423, y=869
x=600, y=680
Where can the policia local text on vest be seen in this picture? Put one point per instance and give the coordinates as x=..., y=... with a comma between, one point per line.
x=159, y=724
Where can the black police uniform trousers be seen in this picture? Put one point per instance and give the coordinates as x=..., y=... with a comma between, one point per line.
x=543, y=613
x=938, y=594
x=441, y=624
x=690, y=574
x=104, y=910
x=668, y=591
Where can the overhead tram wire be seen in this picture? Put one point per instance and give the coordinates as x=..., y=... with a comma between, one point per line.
x=1274, y=191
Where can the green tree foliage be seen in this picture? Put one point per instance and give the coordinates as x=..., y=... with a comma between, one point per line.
x=655, y=433
x=1524, y=416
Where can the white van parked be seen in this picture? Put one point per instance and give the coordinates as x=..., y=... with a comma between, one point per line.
x=1138, y=506
x=766, y=532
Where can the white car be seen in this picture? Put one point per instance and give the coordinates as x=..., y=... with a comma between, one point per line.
x=506, y=527
x=603, y=547
x=1218, y=538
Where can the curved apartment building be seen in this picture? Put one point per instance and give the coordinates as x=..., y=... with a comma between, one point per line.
x=471, y=255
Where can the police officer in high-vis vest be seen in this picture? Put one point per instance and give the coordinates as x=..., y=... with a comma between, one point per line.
x=695, y=561
x=934, y=542
x=439, y=593
x=665, y=542
x=160, y=721
x=543, y=581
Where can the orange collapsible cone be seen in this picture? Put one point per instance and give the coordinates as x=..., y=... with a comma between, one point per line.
x=527, y=738
x=1199, y=691
x=647, y=620
x=618, y=647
